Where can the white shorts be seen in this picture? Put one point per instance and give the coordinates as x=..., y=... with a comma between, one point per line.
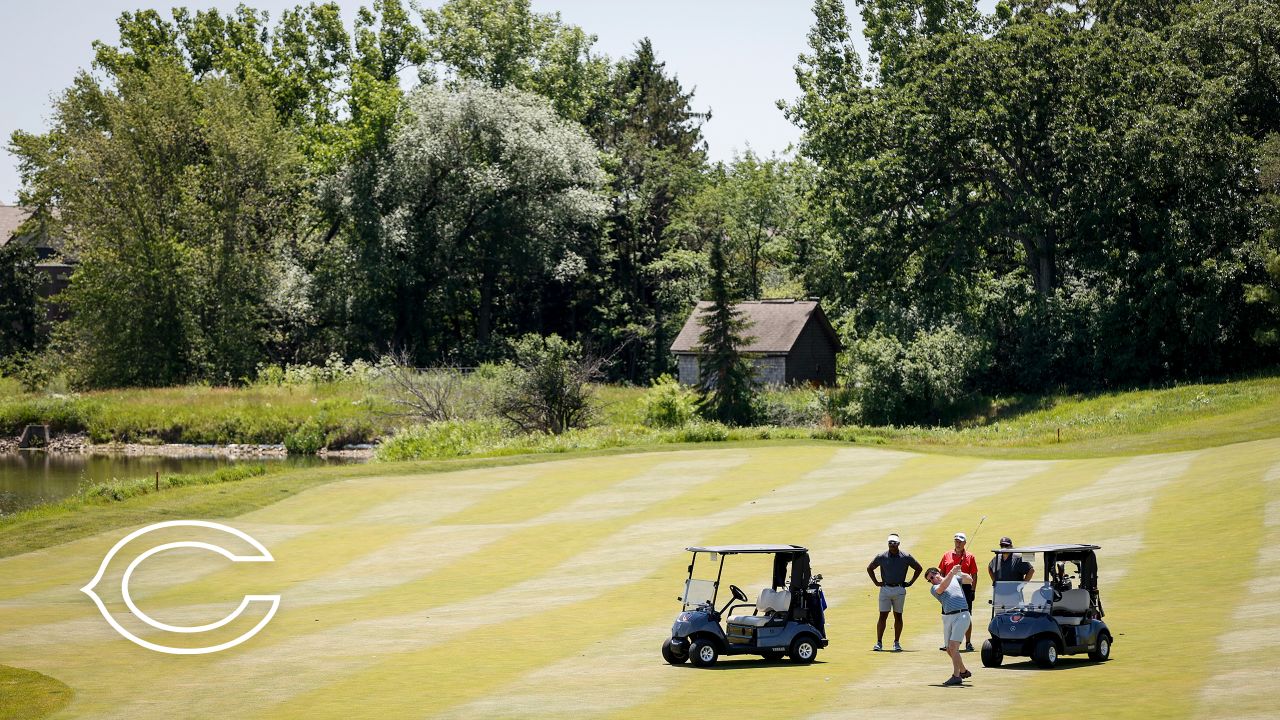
x=892, y=598
x=954, y=626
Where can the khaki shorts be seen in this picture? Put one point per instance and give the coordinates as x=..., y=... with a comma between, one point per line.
x=954, y=626
x=892, y=598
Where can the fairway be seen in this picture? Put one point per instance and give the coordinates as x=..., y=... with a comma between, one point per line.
x=545, y=590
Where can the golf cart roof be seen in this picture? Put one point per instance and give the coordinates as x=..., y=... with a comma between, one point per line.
x=1047, y=548
x=745, y=549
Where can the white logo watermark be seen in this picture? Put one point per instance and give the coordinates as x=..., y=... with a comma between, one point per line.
x=263, y=556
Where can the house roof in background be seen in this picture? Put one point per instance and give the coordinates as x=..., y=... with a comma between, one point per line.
x=11, y=217
x=773, y=326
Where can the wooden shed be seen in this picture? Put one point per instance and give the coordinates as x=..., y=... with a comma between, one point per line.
x=790, y=342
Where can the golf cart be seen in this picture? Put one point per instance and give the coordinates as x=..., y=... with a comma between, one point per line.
x=1044, y=619
x=786, y=619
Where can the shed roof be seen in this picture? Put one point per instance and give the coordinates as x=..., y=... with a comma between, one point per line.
x=772, y=325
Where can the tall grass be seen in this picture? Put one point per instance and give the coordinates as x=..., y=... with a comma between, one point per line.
x=339, y=413
x=1126, y=418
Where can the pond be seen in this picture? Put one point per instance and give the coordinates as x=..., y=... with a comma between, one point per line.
x=29, y=478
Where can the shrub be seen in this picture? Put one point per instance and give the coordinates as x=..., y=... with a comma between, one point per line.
x=668, y=404
x=920, y=382
x=443, y=439
x=306, y=439
x=792, y=407
x=549, y=388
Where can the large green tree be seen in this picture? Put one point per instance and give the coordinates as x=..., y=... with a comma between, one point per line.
x=724, y=373
x=175, y=195
x=755, y=204
x=504, y=43
x=1073, y=185
x=480, y=207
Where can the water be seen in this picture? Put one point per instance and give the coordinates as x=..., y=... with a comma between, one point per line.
x=29, y=478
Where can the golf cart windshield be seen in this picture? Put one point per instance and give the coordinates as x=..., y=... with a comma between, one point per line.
x=697, y=592
x=1026, y=596
x=704, y=576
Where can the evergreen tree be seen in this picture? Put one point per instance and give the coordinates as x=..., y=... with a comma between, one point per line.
x=657, y=153
x=725, y=374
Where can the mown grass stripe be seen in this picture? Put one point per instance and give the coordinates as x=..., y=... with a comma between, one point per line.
x=1168, y=615
x=350, y=634
x=523, y=635
x=932, y=514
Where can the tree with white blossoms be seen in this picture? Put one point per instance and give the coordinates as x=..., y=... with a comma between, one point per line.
x=484, y=202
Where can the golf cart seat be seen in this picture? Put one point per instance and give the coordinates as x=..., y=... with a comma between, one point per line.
x=1072, y=608
x=771, y=602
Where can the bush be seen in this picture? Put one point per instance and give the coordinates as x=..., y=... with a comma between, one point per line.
x=443, y=439
x=921, y=382
x=792, y=407
x=549, y=388
x=306, y=439
x=668, y=404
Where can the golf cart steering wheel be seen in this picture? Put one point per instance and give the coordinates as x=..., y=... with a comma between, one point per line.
x=737, y=593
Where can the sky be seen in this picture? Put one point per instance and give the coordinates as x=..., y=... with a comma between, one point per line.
x=738, y=55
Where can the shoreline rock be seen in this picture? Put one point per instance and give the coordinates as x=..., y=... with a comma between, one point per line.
x=78, y=444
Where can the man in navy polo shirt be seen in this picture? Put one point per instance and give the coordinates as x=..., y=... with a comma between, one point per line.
x=893, y=584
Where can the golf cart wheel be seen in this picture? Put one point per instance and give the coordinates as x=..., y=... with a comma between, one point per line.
x=772, y=655
x=1103, y=653
x=992, y=654
x=804, y=650
x=703, y=653
x=1046, y=653
x=670, y=655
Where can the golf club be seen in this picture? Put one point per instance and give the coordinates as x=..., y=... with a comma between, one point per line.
x=974, y=534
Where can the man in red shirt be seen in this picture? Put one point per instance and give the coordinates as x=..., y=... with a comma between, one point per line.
x=969, y=566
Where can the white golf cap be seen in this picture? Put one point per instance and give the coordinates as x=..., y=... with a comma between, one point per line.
x=894, y=538
x=962, y=537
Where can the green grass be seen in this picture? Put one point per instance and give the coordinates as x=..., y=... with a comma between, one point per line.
x=28, y=695
x=310, y=415
x=342, y=413
x=544, y=590
x=1077, y=426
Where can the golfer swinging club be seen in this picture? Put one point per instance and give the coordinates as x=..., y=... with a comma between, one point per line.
x=955, y=615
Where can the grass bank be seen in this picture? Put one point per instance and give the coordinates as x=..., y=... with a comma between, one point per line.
x=308, y=416
x=28, y=695
x=1066, y=426
x=303, y=417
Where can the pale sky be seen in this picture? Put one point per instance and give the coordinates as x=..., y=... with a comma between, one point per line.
x=737, y=54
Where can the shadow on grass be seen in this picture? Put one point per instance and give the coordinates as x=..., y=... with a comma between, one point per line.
x=751, y=664
x=1063, y=664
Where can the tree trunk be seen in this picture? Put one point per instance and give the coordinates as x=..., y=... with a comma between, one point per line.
x=484, y=314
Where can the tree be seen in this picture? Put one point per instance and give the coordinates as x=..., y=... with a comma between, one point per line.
x=175, y=195
x=725, y=375
x=656, y=156
x=481, y=204
x=21, y=312
x=549, y=388
x=1266, y=294
x=1072, y=189
x=755, y=205
x=504, y=43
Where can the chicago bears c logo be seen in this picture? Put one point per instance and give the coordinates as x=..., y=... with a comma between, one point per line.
x=263, y=555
